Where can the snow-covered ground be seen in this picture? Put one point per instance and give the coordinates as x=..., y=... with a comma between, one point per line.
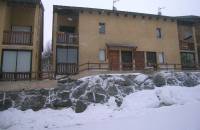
x=166, y=108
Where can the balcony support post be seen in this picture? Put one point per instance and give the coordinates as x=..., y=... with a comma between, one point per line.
x=195, y=47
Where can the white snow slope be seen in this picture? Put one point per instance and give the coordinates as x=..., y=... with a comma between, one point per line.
x=139, y=111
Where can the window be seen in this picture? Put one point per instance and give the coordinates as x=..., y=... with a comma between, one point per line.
x=102, y=55
x=158, y=33
x=67, y=55
x=187, y=59
x=151, y=59
x=16, y=61
x=161, y=58
x=102, y=28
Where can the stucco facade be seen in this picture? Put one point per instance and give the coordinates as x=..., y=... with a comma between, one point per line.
x=23, y=15
x=140, y=32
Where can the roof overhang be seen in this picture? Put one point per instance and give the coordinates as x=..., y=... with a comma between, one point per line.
x=59, y=8
x=120, y=46
x=26, y=2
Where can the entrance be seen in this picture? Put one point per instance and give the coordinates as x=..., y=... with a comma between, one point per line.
x=114, y=59
x=139, y=60
x=127, y=60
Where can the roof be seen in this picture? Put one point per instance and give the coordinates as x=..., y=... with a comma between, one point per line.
x=189, y=18
x=27, y=2
x=120, y=45
x=59, y=8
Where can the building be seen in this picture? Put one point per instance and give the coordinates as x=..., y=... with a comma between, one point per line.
x=21, y=39
x=121, y=40
x=189, y=39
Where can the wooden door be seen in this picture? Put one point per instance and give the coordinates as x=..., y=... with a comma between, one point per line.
x=139, y=60
x=114, y=59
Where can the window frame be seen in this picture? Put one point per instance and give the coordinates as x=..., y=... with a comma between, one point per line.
x=150, y=63
x=102, y=27
x=100, y=50
x=15, y=50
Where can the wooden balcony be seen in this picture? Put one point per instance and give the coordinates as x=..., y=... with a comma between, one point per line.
x=185, y=45
x=17, y=38
x=15, y=76
x=67, y=68
x=67, y=38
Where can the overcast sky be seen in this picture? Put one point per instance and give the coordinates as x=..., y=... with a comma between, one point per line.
x=172, y=8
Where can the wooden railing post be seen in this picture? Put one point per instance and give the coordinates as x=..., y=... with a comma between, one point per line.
x=88, y=65
x=174, y=66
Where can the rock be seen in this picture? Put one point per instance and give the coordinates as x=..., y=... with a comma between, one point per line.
x=98, y=89
x=16, y=97
x=104, y=77
x=80, y=106
x=126, y=89
x=148, y=84
x=5, y=104
x=126, y=82
x=181, y=76
x=112, y=91
x=90, y=97
x=119, y=100
x=100, y=98
x=159, y=80
x=65, y=80
x=61, y=103
x=33, y=102
x=190, y=82
x=63, y=95
x=44, y=92
x=172, y=81
x=79, y=90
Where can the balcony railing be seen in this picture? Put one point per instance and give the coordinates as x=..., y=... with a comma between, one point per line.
x=67, y=68
x=185, y=45
x=17, y=38
x=67, y=38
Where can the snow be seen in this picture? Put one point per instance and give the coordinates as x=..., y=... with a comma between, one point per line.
x=141, y=110
x=141, y=78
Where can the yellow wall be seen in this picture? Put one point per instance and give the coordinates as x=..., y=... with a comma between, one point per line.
x=119, y=29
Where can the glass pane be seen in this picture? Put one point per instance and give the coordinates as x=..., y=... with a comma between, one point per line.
x=72, y=56
x=9, y=61
x=161, y=58
x=23, y=61
x=102, y=55
x=61, y=55
x=21, y=29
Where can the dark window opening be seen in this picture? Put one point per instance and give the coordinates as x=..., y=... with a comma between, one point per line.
x=102, y=28
x=158, y=33
x=151, y=59
x=67, y=29
x=127, y=60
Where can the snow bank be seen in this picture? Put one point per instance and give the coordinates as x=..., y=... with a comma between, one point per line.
x=140, y=110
